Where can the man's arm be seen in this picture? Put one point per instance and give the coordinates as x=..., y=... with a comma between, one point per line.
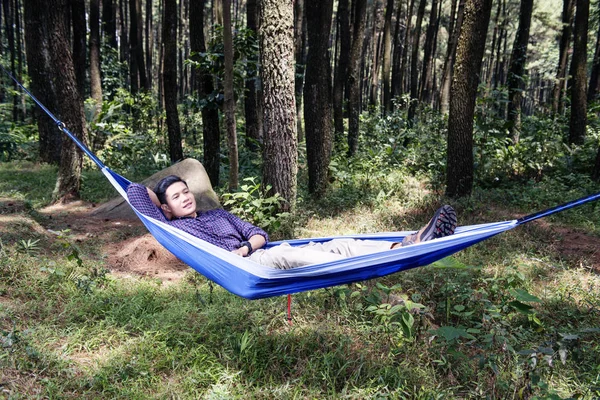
x=256, y=241
x=145, y=201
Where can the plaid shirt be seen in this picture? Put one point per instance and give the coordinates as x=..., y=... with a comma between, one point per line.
x=217, y=226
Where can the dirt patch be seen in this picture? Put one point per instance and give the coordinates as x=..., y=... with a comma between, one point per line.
x=144, y=256
x=124, y=244
x=11, y=206
x=579, y=246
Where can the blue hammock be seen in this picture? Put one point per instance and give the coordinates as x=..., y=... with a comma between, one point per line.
x=248, y=279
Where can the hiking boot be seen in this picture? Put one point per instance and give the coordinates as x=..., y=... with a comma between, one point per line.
x=442, y=224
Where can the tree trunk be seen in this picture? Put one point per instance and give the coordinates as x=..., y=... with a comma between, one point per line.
x=19, y=44
x=449, y=60
x=386, y=64
x=204, y=85
x=10, y=36
x=594, y=78
x=134, y=80
x=109, y=23
x=353, y=77
x=79, y=43
x=317, y=95
x=300, y=56
x=69, y=102
x=149, y=35
x=217, y=8
x=399, y=51
x=516, y=71
x=280, y=152
x=251, y=105
x=343, y=21
x=414, y=63
x=565, y=40
x=596, y=171
x=137, y=71
x=170, y=79
x=95, y=79
x=123, y=39
x=376, y=36
x=578, y=65
x=495, y=38
x=42, y=87
x=429, y=55
x=469, y=55
x=229, y=101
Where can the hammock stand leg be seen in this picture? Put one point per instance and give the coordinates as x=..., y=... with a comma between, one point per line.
x=289, y=309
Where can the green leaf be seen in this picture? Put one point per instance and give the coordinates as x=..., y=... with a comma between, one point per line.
x=524, y=295
x=451, y=333
x=521, y=307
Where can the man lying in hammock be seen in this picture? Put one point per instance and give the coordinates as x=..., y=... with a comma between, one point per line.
x=173, y=203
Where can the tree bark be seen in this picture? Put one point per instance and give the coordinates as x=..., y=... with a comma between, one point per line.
x=42, y=87
x=375, y=53
x=79, y=43
x=495, y=38
x=399, y=50
x=353, y=77
x=596, y=170
x=317, y=95
x=429, y=55
x=565, y=40
x=124, y=48
x=19, y=44
x=300, y=56
x=95, y=78
x=414, y=63
x=386, y=64
x=149, y=36
x=449, y=60
x=578, y=120
x=516, y=71
x=10, y=37
x=229, y=101
x=345, y=38
x=594, y=78
x=280, y=152
x=109, y=23
x=69, y=102
x=251, y=104
x=204, y=85
x=137, y=70
x=469, y=54
x=170, y=79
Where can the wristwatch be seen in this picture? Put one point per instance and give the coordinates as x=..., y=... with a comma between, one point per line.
x=247, y=244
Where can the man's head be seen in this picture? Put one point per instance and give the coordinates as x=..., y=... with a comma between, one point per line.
x=175, y=197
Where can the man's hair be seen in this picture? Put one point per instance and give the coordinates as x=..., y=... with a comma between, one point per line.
x=163, y=185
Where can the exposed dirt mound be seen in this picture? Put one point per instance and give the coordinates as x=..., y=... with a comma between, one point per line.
x=146, y=257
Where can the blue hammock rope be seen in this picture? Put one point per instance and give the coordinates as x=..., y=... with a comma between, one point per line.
x=250, y=280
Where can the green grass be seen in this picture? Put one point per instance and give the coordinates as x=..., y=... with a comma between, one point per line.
x=507, y=318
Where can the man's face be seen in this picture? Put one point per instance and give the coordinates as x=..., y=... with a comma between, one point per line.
x=180, y=201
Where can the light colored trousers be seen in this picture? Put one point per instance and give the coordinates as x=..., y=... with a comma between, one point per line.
x=285, y=256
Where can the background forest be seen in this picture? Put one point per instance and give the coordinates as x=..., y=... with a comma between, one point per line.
x=311, y=119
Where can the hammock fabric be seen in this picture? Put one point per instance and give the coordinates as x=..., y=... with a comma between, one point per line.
x=250, y=280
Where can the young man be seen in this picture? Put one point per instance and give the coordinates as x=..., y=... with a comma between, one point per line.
x=173, y=203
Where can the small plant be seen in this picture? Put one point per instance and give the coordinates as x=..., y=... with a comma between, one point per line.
x=29, y=246
x=251, y=205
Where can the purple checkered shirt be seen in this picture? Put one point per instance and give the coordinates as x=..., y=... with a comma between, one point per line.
x=217, y=226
